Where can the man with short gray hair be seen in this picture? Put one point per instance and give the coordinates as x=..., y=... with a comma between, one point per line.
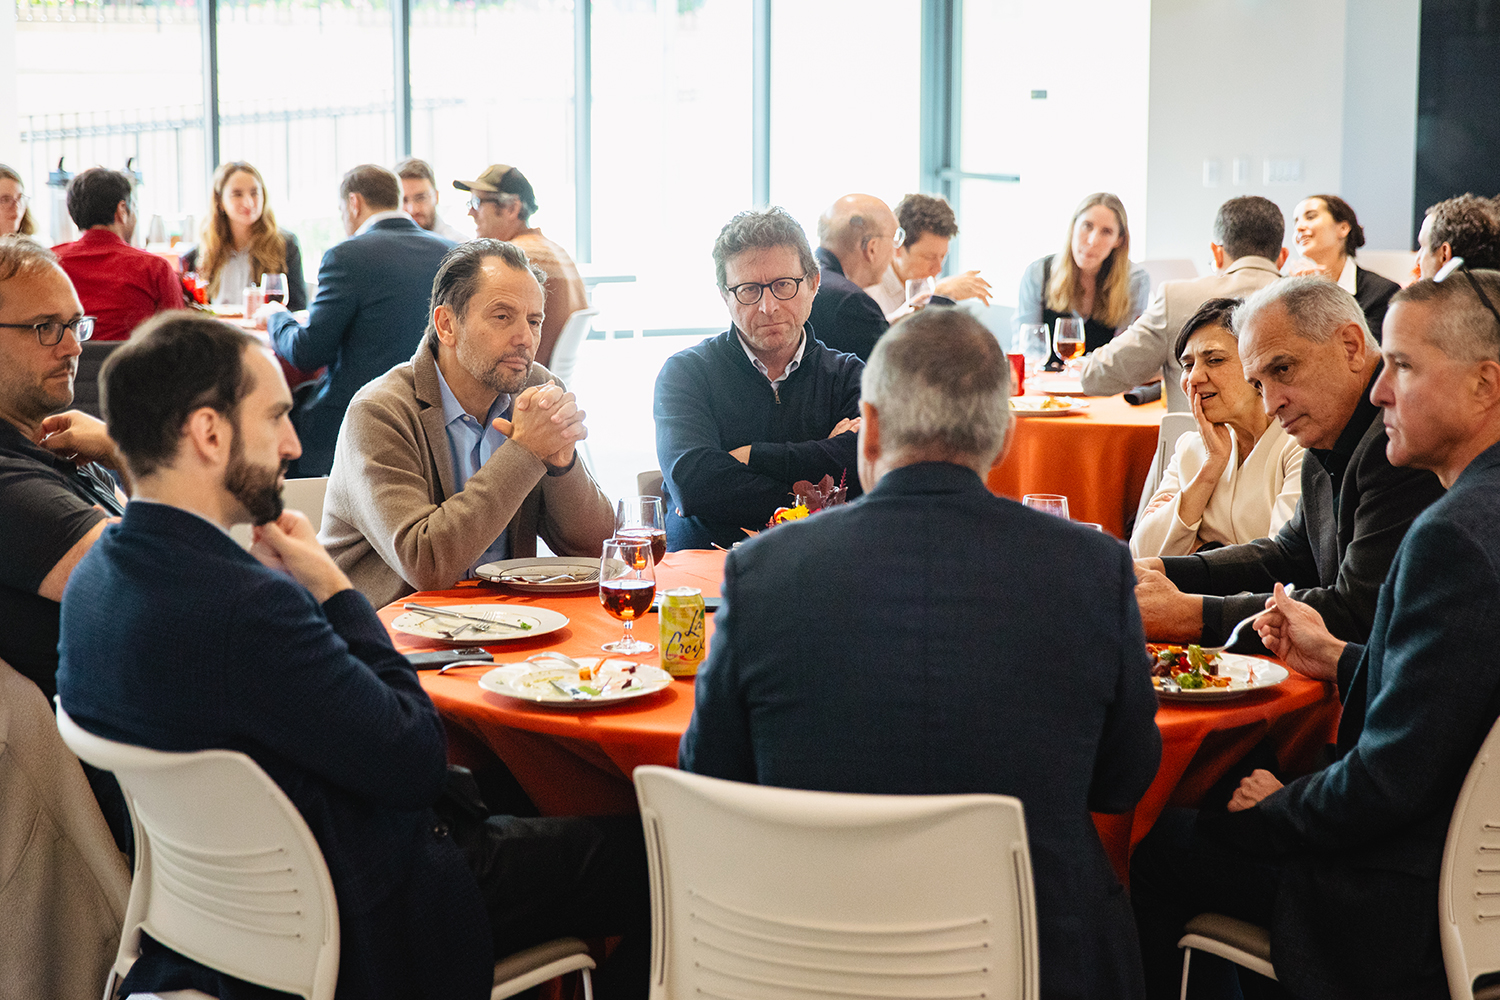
x=463, y=455
x=1304, y=345
x=743, y=416
x=936, y=597
x=857, y=240
x=1247, y=254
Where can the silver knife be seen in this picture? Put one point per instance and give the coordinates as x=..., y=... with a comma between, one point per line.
x=473, y=619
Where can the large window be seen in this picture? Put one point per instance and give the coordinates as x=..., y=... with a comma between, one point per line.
x=305, y=93
x=671, y=158
x=110, y=83
x=845, y=101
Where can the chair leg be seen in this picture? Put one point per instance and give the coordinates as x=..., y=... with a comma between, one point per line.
x=588, y=984
x=1187, y=957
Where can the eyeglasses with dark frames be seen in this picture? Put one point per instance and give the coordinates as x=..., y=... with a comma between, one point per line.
x=1457, y=264
x=750, y=292
x=50, y=332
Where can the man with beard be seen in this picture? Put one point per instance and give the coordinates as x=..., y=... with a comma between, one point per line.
x=175, y=638
x=465, y=454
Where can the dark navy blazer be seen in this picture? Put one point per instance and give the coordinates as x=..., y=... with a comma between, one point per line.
x=370, y=311
x=934, y=638
x=175, y=638
x=1362, y=840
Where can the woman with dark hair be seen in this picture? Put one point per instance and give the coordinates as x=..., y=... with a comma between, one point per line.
x=15, y=214
x=1327, y=234
x=241, y=242
x=1239, y=476
x=1090, y=278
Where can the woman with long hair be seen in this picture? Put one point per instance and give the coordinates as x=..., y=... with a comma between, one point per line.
x=241, y=242
x=15, y=213
x=1239, y=476
x=1090, y=278
x=1327, y=235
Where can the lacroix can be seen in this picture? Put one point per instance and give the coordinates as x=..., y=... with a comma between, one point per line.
x=682, y=630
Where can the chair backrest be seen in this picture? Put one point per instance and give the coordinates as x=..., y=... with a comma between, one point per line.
x=305, y=495
x=565, y=351
x=1469, y=884
x=794, y=895
x=651, y=483
x=86, y=382
x=226, y=871
x=1173, y=426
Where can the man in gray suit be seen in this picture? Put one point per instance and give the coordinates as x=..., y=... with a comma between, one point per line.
x=1248, y=255
x=369, y=312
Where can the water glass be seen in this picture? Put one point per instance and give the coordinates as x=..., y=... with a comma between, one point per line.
x=1047, y=503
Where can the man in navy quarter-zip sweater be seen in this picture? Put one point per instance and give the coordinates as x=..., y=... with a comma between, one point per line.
x=744, y=415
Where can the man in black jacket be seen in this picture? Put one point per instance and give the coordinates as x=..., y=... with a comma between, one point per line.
x=1305, y=346
x=857, y=239
x=743, y=416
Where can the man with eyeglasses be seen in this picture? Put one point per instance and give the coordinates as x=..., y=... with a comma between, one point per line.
x=419, y=198
x=369, y=313
x=857, y=239
x=121, y=285
x=743, y=416
x=55, y=498
x=1342, y=865
x=501, y=203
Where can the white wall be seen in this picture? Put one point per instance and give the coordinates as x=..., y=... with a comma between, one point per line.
x=1249, y=79
x=1380, y=118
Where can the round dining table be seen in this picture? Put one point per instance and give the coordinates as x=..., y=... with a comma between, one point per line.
x=1098, y=459
x=573, y=761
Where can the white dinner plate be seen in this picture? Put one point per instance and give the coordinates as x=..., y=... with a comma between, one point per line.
x=532, y=681
x=526, y=575
x=1031, y=406
x=1246, y=674
x=538, y=621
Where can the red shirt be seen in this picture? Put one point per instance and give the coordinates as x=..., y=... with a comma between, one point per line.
x=118, y=284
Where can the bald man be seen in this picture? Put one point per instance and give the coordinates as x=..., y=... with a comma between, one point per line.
x=857, y=237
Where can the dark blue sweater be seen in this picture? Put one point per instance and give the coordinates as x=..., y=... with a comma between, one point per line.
x=711, y=400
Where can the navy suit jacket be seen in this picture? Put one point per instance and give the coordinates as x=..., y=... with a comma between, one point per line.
x=1362, y=840
x=369, y=314
x=175, y=638
x=934, y=638
x=844, y=317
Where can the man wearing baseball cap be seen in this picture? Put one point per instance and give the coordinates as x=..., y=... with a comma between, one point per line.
x=501, y=203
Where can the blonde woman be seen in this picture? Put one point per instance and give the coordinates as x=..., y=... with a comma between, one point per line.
x=241, y=242
x=15, y=213
x=1239, y=477
x=1091, y=276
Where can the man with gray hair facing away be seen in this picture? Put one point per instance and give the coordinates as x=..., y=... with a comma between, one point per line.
x=941, y=595
x=1247, y=253
x=743, y=416
x=1304, y=345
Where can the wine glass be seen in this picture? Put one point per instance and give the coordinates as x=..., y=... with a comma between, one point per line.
x=919, y=291
x=627, y=583
x=1047, y=503
x=640, y=519
x=1034, y=342
x=273, y=288
x=1068, y=339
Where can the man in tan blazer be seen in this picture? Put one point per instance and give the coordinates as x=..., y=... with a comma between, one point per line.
x=464, y=454
x=1247, y=251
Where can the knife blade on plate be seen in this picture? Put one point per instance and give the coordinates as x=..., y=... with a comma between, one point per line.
x=474, y=619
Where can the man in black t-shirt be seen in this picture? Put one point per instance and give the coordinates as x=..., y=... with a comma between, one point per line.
x=54, y=498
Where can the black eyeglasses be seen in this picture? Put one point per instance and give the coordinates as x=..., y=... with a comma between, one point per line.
x=1457, y=264
x=50, y=333
x=750, y=292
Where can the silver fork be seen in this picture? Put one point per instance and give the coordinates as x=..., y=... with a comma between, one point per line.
x=1234, y=634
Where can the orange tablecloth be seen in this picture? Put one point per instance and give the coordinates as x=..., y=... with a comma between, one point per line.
x=579, y=762
x=1098, y=460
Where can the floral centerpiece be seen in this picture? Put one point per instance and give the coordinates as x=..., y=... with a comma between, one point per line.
x=811, y=498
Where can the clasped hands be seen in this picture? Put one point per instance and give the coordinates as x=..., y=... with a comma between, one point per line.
x=547, y=422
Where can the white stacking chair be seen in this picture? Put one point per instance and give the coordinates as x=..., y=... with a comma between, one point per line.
x=228, y=874
x=1173, y=426
x=1469, y=883
x=305, y=495
x=782, y=894
x=565, y=351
